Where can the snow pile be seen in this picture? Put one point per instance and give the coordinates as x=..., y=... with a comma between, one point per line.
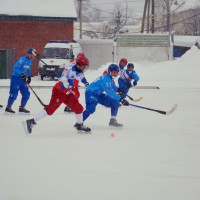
x=183, y=72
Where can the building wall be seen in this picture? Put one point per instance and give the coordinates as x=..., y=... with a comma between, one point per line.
x=98, y=51
x=23, y=34
x=101, y=51
x=153, y=54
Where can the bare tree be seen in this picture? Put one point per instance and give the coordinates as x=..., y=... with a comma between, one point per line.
x=192, y=25
x=89, y=11
x=165, y=12
x=119, y=19
x=105, y=30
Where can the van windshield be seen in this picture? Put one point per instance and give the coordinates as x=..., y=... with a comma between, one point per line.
x=60, y=53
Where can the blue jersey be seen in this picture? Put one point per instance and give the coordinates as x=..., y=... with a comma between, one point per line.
x=129, y=76
x=104, y=83
x=23, y=65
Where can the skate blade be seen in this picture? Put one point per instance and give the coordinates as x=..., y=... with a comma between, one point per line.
x=68, y=113
x=84, y=132
x=8, y=113
x=22, y=113
x=25, y=127
x=120, y=127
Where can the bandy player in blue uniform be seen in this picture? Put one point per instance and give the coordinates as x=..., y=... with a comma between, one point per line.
x=128, y=79
x=103, y=91
x=18, y=82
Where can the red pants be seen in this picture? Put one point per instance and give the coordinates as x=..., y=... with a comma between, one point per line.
x=58, y=97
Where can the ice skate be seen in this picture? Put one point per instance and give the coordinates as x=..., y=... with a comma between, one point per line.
x=9, y=110
x=113, y=122
x=1, y=108
x=68, y=110
x=23, y=110
x=81, y=127
x=28, y=125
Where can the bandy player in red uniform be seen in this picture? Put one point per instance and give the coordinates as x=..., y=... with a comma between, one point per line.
x=64, y=91
x=75, y=82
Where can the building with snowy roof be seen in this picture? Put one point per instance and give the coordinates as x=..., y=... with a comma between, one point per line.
x=26, y=24
x=183, y=43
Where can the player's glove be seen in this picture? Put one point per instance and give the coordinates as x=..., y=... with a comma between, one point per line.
x=129, y=84
x=23, y=76
x=28, y=79
x=124, y=102
x=64, y=80
x=120, y=91
x=134, y=83
x=86, y=84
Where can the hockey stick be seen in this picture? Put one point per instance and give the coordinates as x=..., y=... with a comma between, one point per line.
x=36, y=95
x=37, y=56
x=158, y=111
x=134, y=100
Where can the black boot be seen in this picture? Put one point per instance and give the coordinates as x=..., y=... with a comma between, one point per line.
x=23, y=110
x=67, y=109
x=9, y=110
x=113, y=122
x=30, y=123
x=81, y=127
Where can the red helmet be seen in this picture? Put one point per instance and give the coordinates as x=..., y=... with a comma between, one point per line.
x=80, y=54
x=124, y=60
x=82, y=60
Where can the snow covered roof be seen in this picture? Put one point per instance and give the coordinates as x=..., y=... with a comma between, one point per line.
x=186, y=41
x=39, y=8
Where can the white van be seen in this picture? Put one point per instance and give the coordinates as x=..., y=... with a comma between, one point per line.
x=56, y=56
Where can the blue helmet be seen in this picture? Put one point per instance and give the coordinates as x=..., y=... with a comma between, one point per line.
x=30, y=51
x=113, y=67
x=130, y=65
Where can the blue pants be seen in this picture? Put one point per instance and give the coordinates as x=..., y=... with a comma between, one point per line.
x=16, y=85
x=125, y=86
x=92, y=99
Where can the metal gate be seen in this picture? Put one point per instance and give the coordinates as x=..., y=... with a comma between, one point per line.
x=7, y=59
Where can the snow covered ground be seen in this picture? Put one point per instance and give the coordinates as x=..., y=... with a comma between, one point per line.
x=154, y=157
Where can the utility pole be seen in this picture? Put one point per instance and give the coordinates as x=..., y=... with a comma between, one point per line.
x=144, y=16
x=152, y=16
x=126, y=11
x=168, y=16
x=148, y=11
x=80, y=17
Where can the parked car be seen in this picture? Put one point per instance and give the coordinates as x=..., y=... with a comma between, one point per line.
x=56, y=56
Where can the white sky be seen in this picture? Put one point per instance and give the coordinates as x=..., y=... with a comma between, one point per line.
x=136, y=5
x=65, y=8
x=153, y=157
